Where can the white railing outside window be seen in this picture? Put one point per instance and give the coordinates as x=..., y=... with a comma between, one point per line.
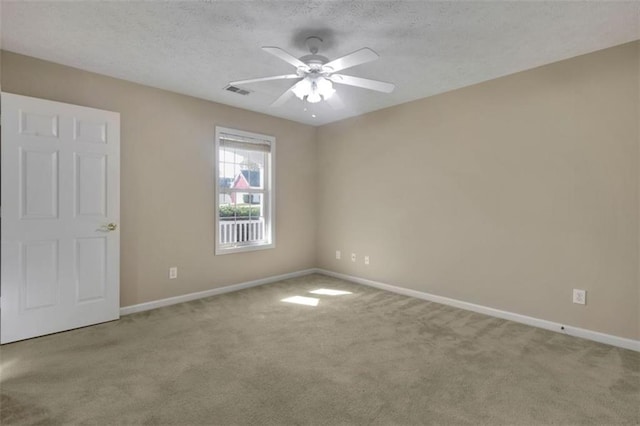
x=240, y=231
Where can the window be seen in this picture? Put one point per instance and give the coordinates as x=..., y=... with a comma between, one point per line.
x=244, y=191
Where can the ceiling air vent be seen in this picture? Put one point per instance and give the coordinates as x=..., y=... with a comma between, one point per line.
x=237, y=90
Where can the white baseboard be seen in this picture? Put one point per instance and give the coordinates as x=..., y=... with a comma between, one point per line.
x=126, y=310
x=511, y=316
x=596, y=336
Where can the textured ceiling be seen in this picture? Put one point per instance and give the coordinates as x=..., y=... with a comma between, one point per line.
x=425, y=48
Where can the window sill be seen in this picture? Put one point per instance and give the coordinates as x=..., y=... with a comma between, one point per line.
x=240, y=249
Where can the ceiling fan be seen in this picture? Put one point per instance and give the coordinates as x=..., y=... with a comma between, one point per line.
x=315, y=74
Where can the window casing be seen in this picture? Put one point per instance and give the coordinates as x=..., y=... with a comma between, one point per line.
x=244, y=199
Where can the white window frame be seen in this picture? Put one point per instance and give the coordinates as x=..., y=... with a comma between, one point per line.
x=268, y=192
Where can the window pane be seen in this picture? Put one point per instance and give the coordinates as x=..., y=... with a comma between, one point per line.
x=240, y=168
x=245, y=206
x=241, y=214
x=242, y=220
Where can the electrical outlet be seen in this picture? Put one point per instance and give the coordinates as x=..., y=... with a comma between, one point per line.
x=579, y=296
x=338, y=255
x=366, y=260
x=353, y=257
x=173, y=272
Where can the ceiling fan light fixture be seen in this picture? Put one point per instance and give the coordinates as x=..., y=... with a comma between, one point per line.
x=325, y=87
x=302, y=89
x=314, y=97
x=314, y=89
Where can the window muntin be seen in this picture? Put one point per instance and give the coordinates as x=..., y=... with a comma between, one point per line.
x=244, y=191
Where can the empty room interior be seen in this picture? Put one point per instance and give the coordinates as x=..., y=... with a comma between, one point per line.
x=320, y=212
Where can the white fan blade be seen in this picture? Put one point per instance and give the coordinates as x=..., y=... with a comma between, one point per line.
x=285, y=56
x=285, y=96
x=256, y=80
x=282, y=99
x=365, y=83
x=335, y=102
x=358, y=57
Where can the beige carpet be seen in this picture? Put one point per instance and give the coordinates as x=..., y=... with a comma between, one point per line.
x=369, y=357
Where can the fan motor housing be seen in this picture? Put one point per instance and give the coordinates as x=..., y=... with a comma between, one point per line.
x=314, y=61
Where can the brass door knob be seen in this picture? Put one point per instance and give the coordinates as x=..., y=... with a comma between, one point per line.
x=112, y=227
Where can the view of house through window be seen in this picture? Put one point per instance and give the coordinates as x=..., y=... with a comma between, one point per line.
x=244, y=204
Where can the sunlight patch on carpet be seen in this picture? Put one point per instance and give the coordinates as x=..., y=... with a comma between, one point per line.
x=330, y=292
x=301, y=300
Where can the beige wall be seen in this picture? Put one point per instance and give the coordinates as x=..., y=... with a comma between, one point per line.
x=167, y=184
x=507, y=194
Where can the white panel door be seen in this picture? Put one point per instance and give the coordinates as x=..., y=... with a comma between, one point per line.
x=60, y=213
